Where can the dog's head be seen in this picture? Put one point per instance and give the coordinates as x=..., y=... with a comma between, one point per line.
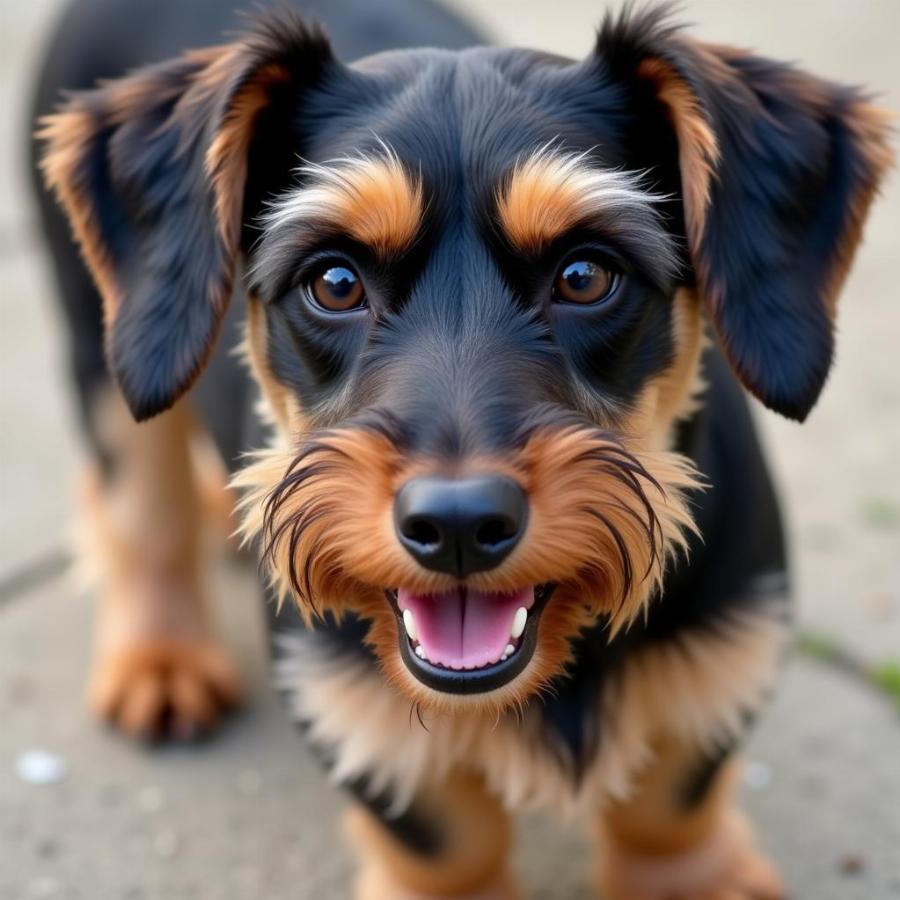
x=478, y=287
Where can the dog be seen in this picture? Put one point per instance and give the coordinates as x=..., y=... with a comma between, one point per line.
x=503, y=309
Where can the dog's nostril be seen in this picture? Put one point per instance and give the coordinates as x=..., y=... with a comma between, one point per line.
x=495, y=531
x=421, y=531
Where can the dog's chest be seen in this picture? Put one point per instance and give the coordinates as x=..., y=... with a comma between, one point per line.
x=567, y=752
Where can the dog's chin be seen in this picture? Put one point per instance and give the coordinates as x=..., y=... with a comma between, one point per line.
x=468, y=642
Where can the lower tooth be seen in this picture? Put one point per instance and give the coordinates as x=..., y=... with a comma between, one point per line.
x=420, y=652
x=509, y=650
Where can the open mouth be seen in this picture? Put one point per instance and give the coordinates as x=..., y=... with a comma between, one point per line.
x=467, y=641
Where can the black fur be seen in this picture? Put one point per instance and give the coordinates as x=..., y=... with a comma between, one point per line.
x=792, y=166
x=791, y=169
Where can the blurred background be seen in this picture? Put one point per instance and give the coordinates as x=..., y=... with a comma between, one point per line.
x=248, y=815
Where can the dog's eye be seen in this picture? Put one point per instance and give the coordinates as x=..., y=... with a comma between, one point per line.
x=583, y=281
x=338, y=288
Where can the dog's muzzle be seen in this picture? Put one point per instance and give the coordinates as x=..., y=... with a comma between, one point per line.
x=464, y=640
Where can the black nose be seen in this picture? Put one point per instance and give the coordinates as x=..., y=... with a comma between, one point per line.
x=460, y=526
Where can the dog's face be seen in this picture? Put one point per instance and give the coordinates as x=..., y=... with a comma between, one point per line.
x=476, y=308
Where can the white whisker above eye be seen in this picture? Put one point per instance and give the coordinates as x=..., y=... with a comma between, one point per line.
x=374, y=199
x=551, y=192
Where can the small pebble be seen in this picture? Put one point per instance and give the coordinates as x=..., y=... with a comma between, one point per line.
x=40, y=767
x=757, y=775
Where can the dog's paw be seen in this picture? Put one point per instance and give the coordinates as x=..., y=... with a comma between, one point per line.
x=374, y=883
x=727, y=867
x=159, y=688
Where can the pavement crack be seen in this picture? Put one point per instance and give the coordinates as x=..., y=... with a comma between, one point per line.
x=34, y=573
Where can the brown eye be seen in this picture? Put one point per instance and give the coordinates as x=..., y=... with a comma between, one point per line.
x=583, y=281
x=337, y=289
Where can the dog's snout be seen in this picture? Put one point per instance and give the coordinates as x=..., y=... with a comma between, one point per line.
x=460, y=526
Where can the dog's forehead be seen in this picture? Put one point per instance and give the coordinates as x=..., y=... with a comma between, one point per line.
x=460, y=116
x=405, y=143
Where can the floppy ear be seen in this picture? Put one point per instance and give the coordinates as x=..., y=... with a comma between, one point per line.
x=777, y=172
x=151, y=170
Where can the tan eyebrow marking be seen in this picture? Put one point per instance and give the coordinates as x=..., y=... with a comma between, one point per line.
x=550, y=192
x=374, y=199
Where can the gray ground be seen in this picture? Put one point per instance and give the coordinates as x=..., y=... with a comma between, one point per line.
x=248, y=815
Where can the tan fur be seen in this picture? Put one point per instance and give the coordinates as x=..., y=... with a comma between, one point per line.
x=694, y=691
x=347, y=551
x=69, y=136
x=354, y=492
x=226, y=158
x=375, y=883
x=651, y=820
x=551, y=192
x=372, y=198
x=726, y=865
x=215, y=498
x=653, y=849
x=675, y=394
x=872, y=128
x=279, y=405
x=156, y=660
x=697, y=146
x=153, y=683
x=474, y=837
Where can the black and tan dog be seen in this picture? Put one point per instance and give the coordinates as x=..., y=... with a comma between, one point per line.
x=514, y=490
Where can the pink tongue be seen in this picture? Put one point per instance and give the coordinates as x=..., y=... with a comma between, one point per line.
x=464, y=628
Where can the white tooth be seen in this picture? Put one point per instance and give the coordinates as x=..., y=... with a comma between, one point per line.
x=420, y=652
x=504, y=658
x=409, y=620
x=509, y=650
x=518, y=624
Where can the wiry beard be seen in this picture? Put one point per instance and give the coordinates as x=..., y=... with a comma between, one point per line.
x=604, y=521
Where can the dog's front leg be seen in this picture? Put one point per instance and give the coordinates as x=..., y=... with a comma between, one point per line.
x=157, y=667
x=680, y=835
x=452, y=843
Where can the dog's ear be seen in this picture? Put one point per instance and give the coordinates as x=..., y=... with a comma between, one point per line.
x=777, y=171
x=152, y=169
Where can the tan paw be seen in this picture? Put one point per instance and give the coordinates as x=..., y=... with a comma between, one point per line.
x=727, y=867
x=376, y=884
x=160, y=688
